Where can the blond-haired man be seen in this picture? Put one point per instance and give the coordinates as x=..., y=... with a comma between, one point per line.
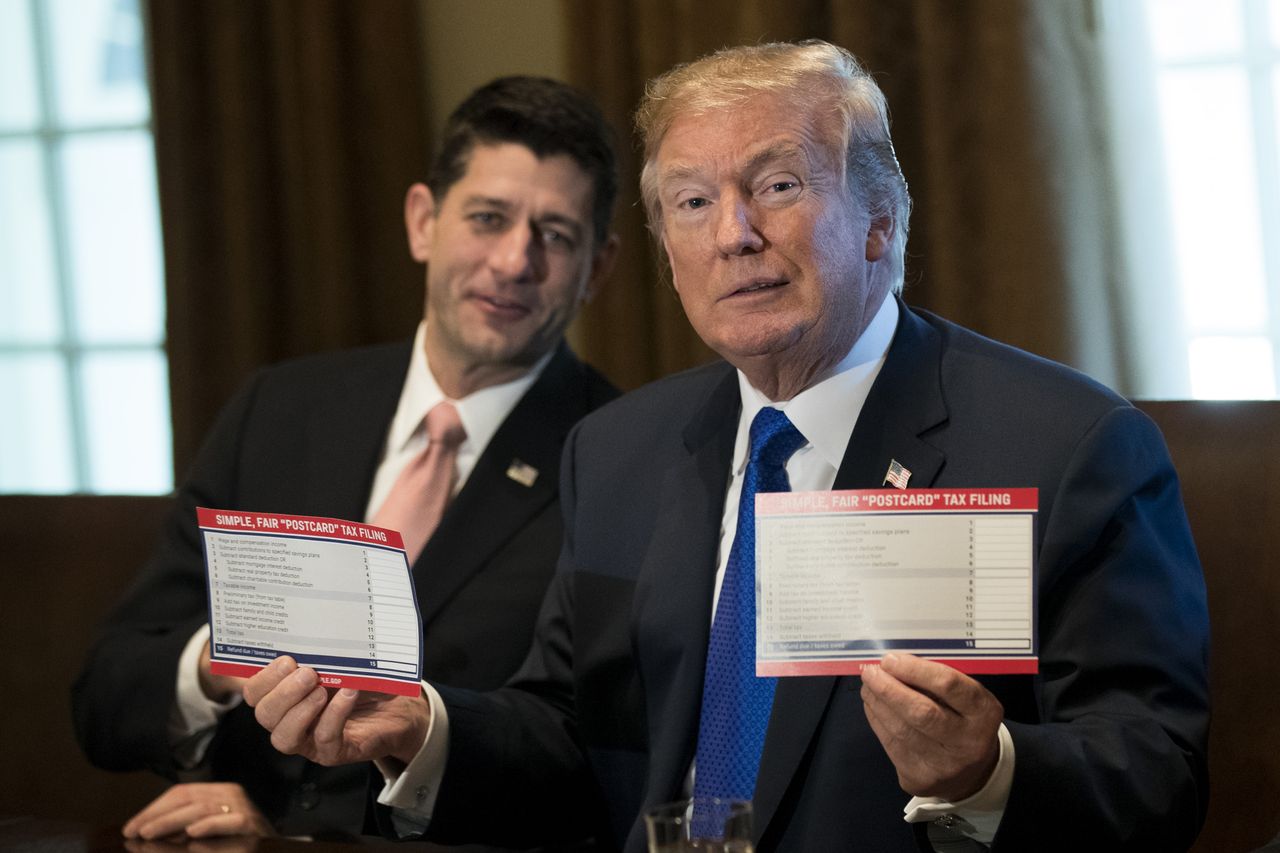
x=773, y=190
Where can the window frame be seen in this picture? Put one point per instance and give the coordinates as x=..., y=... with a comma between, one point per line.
x=50, y=134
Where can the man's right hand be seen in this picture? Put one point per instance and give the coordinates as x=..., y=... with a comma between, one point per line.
x=201, y=810
x=335, y=727
x=217, y=688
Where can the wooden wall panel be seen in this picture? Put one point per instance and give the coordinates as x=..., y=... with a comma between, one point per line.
x=64, y=562
x=1228, y=459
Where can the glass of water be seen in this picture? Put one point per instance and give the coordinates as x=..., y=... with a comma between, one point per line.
x=704, y=824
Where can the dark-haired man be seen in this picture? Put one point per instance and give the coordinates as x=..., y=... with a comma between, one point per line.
x=513, y=226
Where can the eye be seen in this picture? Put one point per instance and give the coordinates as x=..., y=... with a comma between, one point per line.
x=695, y=203
x=781, y=187
x=556, y=239
x=487, y=219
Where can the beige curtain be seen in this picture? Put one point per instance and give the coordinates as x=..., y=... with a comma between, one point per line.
x=998, y=120
x=287, y=132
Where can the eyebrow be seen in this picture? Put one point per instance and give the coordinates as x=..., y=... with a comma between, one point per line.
x=776, y=151
x=765, y=156
x=487, y=201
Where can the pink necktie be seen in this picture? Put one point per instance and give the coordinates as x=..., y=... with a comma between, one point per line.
x=418, y=498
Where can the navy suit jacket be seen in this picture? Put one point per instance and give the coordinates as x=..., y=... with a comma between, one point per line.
x=305, y=437
x=602, y=720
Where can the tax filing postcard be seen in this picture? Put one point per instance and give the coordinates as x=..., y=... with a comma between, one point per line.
x=333, y=595
x=845, y=576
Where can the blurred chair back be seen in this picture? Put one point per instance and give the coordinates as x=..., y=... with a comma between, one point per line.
x=1228, y=459
x=67, y=560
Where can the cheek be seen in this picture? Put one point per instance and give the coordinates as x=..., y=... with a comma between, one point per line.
x=562, y=294
x=838, y=245
x=688, y=266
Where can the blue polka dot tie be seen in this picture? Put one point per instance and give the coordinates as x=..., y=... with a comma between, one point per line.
x=735, y=703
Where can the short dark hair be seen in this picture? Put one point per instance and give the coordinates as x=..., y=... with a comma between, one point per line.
x=547, y=117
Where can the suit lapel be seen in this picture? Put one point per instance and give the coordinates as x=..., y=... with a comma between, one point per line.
x=493, y=506
x=677, y=581
x=905, y=401
x=349, y=429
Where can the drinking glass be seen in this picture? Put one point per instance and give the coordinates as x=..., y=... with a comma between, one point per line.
x=704, y=824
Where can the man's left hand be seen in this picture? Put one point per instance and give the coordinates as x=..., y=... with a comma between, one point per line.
x=939, y=726
x=200, y=810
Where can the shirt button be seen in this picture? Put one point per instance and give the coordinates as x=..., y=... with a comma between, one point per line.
x=421, y=793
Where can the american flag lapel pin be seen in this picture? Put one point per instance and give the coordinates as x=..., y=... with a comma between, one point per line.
x=522, y=472
x=896, y=476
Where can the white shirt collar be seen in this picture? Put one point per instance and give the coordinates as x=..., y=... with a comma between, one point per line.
x=826, y=412
x=481, y=412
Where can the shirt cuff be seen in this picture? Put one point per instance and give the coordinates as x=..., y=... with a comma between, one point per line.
x=411, y=790
x=194, y=716
x=977, y=817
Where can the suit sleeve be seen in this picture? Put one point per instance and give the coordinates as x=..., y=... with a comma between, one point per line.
x=518, y=746
x=1117, y=755
x=124, y=694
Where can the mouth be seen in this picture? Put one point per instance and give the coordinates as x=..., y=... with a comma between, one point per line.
x=758, y=285
x=498, y=306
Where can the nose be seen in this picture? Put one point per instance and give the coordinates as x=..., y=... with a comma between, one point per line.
x=517, y=254
x=736, y=231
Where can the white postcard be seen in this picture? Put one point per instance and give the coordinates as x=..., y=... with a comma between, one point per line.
x=844, y=577
x=334, y=595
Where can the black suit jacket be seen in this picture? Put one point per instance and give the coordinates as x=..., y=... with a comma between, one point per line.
x=305, y=437
x=1110, y=736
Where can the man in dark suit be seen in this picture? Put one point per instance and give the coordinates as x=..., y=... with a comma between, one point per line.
x=772, y=184
x=513, y=225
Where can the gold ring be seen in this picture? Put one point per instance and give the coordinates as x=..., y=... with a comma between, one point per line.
x=226, y=809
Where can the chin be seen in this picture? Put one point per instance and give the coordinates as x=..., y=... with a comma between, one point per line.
x=761, y=343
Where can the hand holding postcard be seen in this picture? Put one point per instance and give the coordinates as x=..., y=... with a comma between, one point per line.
x=334, y=595
x=846, y=576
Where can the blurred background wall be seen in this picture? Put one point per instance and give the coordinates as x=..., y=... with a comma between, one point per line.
x=287, y=132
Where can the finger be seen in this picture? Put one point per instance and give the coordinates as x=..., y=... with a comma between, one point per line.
x=174, y=822
x=329, y=727
x=213, y=826
x=899, y=749
x=288, y=692
x=175, y=797
x=903, y=710
x=890, y=722
x=945, y=684
x=266, y=679
x=292, y=733
x=135, y=823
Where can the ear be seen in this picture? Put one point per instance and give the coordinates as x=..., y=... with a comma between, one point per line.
x=601, y=266
x=420, y=221
x=879, y=236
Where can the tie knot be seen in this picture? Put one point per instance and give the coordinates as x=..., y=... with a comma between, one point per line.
x=444, y=426
x=773, y=437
